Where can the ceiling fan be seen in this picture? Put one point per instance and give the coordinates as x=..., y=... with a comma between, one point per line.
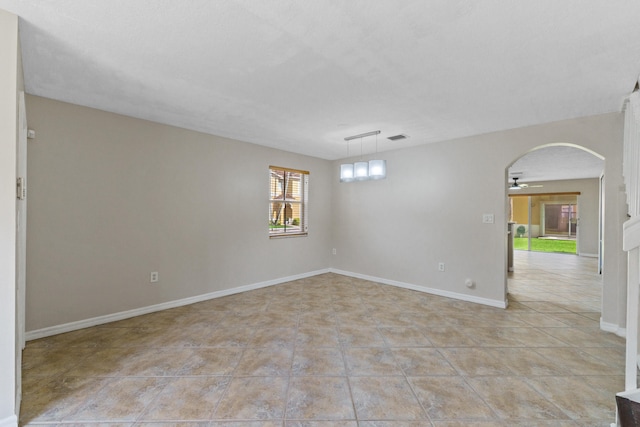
x=516, y=186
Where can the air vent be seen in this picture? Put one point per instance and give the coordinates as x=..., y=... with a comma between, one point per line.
x=397, y=137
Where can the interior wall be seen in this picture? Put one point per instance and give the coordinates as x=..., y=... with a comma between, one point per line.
x=113, y=198
x=430, y=210
x=588, y=208
x=21, y=263
x=9, y=86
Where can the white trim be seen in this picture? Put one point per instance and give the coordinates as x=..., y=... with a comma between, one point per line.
x=100, y=320
x=10, y=421
x=588, y=255
x=633, y=296
x=631, y=233
x=440, y=292
x=634, y=100
x=612, y=327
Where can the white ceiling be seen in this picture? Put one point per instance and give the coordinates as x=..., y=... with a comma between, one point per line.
x=556, y=163
x=302, y=75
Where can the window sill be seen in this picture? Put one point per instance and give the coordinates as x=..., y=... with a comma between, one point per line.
x=284, y=236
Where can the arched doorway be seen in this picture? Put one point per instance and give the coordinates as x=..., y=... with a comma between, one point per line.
x=564, y=183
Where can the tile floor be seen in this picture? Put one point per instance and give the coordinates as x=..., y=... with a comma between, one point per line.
x=337, y=351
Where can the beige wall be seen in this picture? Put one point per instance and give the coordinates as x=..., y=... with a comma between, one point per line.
x=113, y=198
x=430, y=208
x=9, y=86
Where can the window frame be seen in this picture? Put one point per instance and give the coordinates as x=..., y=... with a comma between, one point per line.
x=302, y=205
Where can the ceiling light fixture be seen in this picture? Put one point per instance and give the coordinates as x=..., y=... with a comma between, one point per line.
x=362, y=170
x=346, y=169
x=377, y=168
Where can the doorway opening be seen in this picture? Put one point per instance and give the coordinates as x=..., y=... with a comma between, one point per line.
x=545, y=222
x=556, y=198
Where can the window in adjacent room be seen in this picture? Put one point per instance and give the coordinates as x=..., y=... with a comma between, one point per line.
x=289, y=190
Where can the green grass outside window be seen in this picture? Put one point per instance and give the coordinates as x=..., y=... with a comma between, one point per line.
x=545, y=245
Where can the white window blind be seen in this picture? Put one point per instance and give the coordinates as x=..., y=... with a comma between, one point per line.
x=288, y=202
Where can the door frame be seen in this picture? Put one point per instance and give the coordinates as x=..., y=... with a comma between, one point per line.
x=21, y=242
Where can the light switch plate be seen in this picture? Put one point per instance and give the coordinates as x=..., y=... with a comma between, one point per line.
x=487, y=218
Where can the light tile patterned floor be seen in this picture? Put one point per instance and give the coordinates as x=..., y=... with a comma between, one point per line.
x=337, y=351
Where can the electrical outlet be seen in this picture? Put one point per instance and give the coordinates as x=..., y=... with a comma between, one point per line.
x=441, y=266
x=334, y=251
x=154, y=277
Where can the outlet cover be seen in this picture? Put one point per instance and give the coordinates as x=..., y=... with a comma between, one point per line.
x=487, y=218
x=153, y=277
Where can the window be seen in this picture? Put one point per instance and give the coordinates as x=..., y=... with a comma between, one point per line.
x=288, y=202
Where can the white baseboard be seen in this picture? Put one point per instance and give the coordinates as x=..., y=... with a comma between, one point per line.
x=100, y=320
x=10, y=421
x=588, y=255
x=439, y=292
x=611, y=327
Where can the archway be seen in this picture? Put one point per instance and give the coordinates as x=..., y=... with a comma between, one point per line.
x=557, y=172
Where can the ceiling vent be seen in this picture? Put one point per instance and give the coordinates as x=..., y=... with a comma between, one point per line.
x=397, y=137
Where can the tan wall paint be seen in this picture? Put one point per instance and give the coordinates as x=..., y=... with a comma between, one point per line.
x=430, y=207
x=521, y=210
x=9, y=85
x=113, y=198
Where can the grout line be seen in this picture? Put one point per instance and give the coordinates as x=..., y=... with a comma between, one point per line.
x=293, y=357
x=346, y=370
x=370, y=296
